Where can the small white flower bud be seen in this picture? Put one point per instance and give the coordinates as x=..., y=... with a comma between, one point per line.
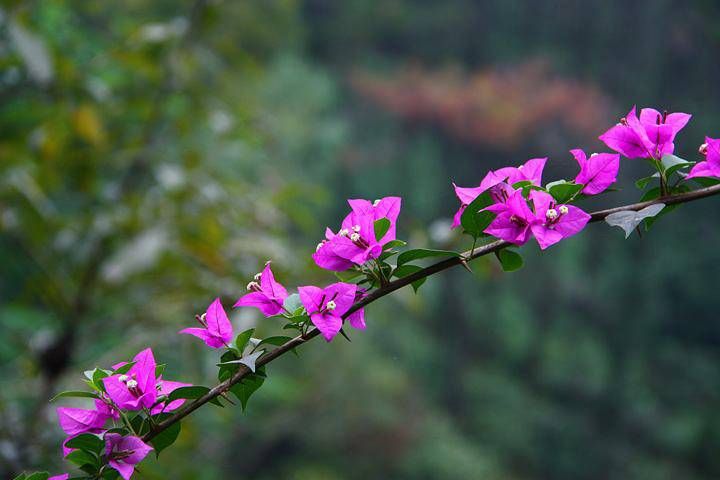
x=356, y=228
x=257, y=277
x=703, y=149
x=563, y=210
x=252, y=285
x=123, y=378
x=344, y=232
x=132, y=383
x=202, y=317
x=355, y=237
x=319, y=246
x=330, y=305
x=376, y=203
x=551, y=214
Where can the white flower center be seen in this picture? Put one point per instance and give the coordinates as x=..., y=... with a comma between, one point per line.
x=252, y=285
x=563, y=210
x=330, y=305
x=343, y=232
x=551, y=214
x=355, y=237
x=123, y=378
x=356, y=228
x=376, y=203
x=593, y=155
x=132, y=383
x=257, y=277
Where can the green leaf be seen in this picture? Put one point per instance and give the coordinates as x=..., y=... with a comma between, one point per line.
x=38, y=476
x=167, y=437
x=249, y=385
x=348, y=275
x=81, y=458
x=418, y=253
x=87, y=442
x=706, y=181
x=643, y=182
x=159, y=369
x=405, y=270
x=510, y=260
x=564, y=192
x=74, y=393
x=243, y=338
x=651, y=194
x=22, y=476
x=125, y=368
x=275, y=340
x=191, y=393
x=382, y=225
x=473, y=220
x=393, y=244
x=672, y=164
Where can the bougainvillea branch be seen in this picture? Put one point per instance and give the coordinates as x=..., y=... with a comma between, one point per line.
x=437, y=267
x=508, y=208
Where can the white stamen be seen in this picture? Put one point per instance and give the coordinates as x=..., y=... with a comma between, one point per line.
x=123, y=378
x=563, y=209
x=202, y=317
x=551, y=214
x=344, y=232
x=355, y=237
x=132, y=383
x=257, y=277
x=703, y=149
x=319, y=245
x=376, y=203
x=252, y=285
x=593, y=155
x=330, y=305
x=356, y=228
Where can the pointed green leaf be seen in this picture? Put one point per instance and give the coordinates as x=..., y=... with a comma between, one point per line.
x=382, y=225
x=418, y=253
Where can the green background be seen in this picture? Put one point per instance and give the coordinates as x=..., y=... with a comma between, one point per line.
x=154, y=154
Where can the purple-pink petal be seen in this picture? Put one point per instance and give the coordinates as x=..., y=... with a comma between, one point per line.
x=203, y=334
x=75, y=421
x=325, y=257
x=133, y=451
x=328, y=324
x=598, y=172
x=62, y=476
x=357, y=319
x=218, y=323
x=270, y=287
x=267, y=306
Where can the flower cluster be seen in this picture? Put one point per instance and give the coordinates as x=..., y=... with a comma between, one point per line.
x=131, y=400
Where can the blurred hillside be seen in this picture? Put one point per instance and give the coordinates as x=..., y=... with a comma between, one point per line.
x=153, y=154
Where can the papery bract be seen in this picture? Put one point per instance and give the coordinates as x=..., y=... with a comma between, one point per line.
x=327, y=306
x=513, y=219
x=554, y=222
x=386, y=207
x=598, y=172
x=123, y=453
x=711, y=166
x=354, y=244
x=139, y=387
x=650, y=136
x=75, y=421
x=498, y=182
x=266, y=294
x=217, y=331
x=63, y=476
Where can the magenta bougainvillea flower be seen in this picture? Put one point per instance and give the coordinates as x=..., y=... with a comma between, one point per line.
x=123, y=453
x=216, y=331
x=266, y=294
x=554, y=222
x=355, y=242
x=711, y=166
x=598, y=172
x=513, y=219
x=498, y=183
x=139, y=388
x=387, y=207
x=75, y=421
x=63, y=476
x=650, y=136
x=327, y=306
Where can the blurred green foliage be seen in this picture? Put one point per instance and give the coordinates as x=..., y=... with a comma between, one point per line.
x=154, y=154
